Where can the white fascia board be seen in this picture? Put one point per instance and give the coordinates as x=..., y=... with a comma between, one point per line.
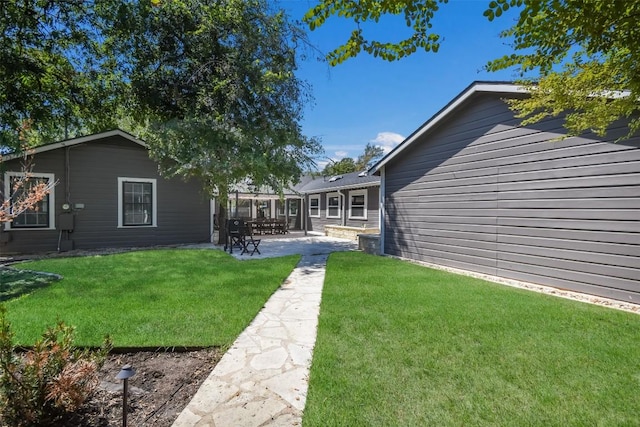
x=76, y=141
x=344, y=187
x=442, y=114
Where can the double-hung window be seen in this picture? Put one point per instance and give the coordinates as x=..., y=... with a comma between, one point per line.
x=333, y=205
x=40, y=215
x=314, y=206
x=358, y=204
x=137, y=202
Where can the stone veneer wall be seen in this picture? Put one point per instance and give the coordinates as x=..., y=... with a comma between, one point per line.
x=369, y=243
x=350, y=233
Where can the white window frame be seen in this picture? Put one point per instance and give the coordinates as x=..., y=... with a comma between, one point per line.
x=364, y=207
x=291, y=211
x=154, y=202
x=52, y=198
x=314, y=197
x=281, y=207
x=331, y=195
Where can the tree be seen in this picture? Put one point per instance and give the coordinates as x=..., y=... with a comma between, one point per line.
x=586, y=53
x=342, y=166
x=369, y=156
x=348, y=165
x=215, y=81
x=50, y=62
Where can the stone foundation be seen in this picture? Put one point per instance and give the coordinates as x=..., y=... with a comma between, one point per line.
x=369, y=243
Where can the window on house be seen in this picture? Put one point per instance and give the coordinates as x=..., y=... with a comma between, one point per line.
x=333, y=205
x=42, y=214
x=264, y=209
x=358, y=204
x=314, y=206
x=281, y=207
x=137, y=202
x=293, y=207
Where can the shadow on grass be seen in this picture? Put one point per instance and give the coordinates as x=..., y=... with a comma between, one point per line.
x=14, y=283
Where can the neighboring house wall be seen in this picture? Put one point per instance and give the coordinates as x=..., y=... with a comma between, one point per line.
x=479, y=193
x=88, y=178
x=346, y=216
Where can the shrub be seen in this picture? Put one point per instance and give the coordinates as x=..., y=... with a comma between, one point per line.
x=54, y=378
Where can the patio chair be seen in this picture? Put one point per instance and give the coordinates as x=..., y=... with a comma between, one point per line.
x=236, y=235
x=250, y=244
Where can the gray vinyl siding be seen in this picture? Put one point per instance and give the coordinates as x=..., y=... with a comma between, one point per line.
x=91, y=178
x=480, y=194
x=372, y=220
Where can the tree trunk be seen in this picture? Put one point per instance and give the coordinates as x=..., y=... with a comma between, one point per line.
x=222, y=222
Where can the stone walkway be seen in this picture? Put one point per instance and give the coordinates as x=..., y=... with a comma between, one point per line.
x=263, y=379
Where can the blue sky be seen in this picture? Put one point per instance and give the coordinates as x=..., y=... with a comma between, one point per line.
x=366, y=99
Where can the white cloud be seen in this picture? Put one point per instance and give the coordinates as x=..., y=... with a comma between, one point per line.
x=340, y=155
x=387, y=140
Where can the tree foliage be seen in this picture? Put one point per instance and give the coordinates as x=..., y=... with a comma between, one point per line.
x=50, y=75
x=583, y=55
x=417, y=15
x=587, y=55
x=348, y=165
x=217, y=80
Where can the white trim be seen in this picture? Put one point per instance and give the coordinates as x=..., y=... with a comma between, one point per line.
x=317, y=197
x=52, y=199
x=474, y=88
x=382, y=213
x=154, y=202
x=330, y=195
x=364, y=206
x=343, y=187
x=75, y=141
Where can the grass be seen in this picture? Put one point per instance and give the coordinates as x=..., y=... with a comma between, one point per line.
x=14, y=283
x=160, y=298
x=403, y=345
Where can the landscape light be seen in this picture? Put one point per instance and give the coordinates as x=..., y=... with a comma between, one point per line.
x=125, y=373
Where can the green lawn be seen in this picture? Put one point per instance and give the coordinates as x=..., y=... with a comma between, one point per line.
x=159, y=298
x=403, y=345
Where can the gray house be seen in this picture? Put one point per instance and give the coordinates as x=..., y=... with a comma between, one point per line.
x=473, y=189
x=316, y=204
x=108, y=194
x=348, y=200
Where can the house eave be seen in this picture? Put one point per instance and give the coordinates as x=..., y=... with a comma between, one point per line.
x=76, y=141
x=342, y=187
x=474, y=88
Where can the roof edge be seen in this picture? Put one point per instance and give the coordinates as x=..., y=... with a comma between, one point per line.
x=76, y=141
x=469, y=91
x=342, y=187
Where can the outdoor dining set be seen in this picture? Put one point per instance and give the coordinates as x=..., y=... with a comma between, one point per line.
x=240, y=233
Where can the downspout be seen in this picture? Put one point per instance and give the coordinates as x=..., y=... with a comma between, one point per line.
x=382, y=214
x=344, y=212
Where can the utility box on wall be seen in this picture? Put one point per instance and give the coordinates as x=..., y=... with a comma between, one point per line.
x=65, y=222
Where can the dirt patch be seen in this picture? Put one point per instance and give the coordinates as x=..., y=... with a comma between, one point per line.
x=162, y=387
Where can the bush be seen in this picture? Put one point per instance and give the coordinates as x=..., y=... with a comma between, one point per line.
x=42, y=385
